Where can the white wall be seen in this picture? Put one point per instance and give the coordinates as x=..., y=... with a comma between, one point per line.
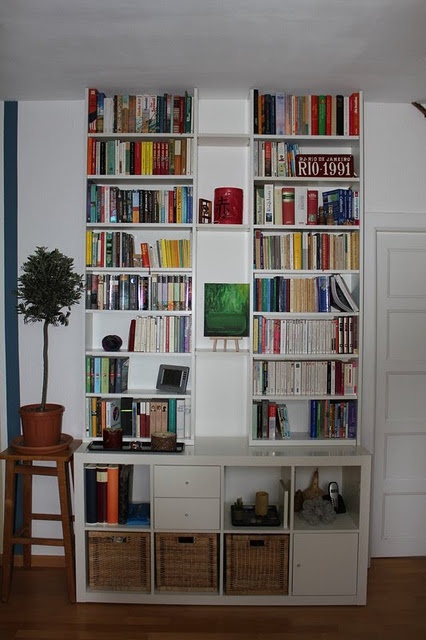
x=395, y=183
x=395, y=147
x=51, y=168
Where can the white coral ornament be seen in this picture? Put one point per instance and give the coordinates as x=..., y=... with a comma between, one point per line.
x=318, y=510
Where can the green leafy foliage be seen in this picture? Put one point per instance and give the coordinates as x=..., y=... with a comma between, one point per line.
x=47, y=289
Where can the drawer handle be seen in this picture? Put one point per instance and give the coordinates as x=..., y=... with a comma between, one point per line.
x=257, y=543
x=186, y=539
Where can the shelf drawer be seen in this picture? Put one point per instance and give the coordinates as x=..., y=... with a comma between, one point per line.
x=186, y=482
x=187, y=513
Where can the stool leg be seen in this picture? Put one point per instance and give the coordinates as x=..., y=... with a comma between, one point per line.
x=9, y=515
x=67, y=524
x=27, y=510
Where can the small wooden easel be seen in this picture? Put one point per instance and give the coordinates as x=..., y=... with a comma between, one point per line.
x=225, y=343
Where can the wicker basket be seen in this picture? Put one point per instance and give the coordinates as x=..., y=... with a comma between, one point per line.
x=186, y=562
x=119, y=561
x=256, y=564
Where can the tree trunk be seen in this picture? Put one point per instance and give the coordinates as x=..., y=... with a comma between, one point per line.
x=45, y=365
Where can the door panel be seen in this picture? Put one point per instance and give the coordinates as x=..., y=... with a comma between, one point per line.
x=399, y=484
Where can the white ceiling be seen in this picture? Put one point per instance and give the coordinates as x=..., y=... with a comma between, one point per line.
x=54, y=49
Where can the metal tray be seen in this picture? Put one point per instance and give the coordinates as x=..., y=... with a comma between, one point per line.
x=248, y=518
x=135, y=446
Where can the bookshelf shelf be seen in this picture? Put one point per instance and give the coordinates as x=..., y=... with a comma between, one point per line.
x=295, y=264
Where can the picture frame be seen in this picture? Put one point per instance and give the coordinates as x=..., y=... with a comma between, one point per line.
x=226, y=310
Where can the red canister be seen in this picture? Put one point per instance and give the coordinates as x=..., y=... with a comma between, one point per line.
x=228, y=205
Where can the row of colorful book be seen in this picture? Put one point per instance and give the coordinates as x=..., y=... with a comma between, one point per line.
x=146, y=158
x=278, y=205
x=333, y=419
x=135, y=292
x=275, y=159
x=160, y=334
x=107, y=374
x=305, y=336
x=283, y=294
x=108, y=496
x=318, y=294
x=141, y=113
x=281, y=113
x=299, y=250
x=109, y=249
x=138, y=418
x=270, y=420
x=305, y=378
x=110, y=204
x=167, y=253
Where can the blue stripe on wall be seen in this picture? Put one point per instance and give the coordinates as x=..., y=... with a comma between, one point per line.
x=10, y=139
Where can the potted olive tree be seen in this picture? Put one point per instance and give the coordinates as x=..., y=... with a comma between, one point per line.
x=47, y=289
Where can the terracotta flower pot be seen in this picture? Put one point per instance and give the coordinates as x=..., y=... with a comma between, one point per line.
x=41, y=428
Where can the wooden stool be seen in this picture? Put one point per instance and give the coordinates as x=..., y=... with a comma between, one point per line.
x=22, y=463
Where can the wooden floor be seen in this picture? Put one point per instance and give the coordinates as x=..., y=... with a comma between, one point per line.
x=38, y=608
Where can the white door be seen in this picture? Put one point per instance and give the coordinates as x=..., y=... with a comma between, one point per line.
x=399, y=465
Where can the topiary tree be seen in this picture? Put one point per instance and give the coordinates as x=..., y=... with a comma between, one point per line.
x=47, y=289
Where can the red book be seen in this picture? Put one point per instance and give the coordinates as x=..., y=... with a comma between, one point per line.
x=112, y=494
x=138, y=159
x=145, y=254
x=268, y=159
x=171, y=206
x=272, y=420
x=91, y=156
x=312, y=206
x=288, y=205
x=132, y=330
x=92, y=110
x=325, y=251
x=354, y=114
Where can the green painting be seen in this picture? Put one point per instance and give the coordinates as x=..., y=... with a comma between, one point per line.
x=226, y=310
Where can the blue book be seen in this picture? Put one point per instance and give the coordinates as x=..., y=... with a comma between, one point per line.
x=324, y=299
x=313, y=432
x=91, y=503
x=97, y=375
x=352, y=418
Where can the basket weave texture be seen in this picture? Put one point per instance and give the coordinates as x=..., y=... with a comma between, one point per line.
x=256, y=564
x=186, y=562
x=119, y=562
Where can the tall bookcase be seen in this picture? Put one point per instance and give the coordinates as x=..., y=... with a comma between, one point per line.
x=181, y=503
x=307, y=175
x=139, y=257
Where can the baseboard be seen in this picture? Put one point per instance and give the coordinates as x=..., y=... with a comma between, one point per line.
x=38, y=561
